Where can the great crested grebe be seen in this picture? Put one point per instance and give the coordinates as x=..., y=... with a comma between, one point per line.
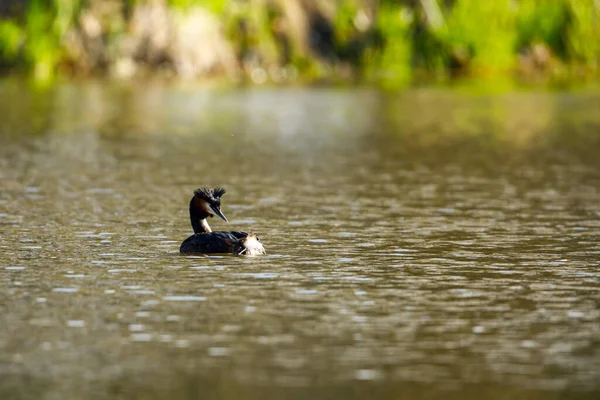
x=207, y=203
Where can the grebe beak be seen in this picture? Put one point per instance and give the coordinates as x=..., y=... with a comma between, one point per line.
x=218, y=212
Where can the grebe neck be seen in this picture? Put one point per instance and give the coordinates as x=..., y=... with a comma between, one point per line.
x=202, y=227
x=198, y=219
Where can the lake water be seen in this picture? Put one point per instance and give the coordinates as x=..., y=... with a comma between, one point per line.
x=420, y=244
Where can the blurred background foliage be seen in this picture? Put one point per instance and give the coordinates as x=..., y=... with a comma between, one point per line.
x=387, y=41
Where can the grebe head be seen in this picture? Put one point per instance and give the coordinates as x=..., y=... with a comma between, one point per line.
x=208, y=202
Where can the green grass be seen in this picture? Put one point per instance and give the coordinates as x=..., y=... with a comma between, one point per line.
x=474, y=37
x=583, y=39
x=11, y=38
x=482, y=33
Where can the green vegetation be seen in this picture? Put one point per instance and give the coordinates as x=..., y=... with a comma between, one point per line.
x=386, y=41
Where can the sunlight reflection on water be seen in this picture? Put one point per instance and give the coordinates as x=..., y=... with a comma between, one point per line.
x=425, y=238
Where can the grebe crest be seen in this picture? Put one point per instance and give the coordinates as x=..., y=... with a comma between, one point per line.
x=209, y=201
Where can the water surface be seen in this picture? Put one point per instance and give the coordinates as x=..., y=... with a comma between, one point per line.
x=420, y=244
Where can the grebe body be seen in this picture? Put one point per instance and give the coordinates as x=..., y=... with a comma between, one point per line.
x=205, y=204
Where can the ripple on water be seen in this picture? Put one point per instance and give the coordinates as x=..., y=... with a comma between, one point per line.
x=218, y=351
x=367, y=374
x=149, y=303
x=144, y=291
x=151, y=237
x=165, y=338
x=306, y=291
x=243, y=221
x=141, y=337
x=131, y=287
x=478, y=329
x=137, y=327
x=347, y=234
x=575, y=314
x=355, y=278
x=184, y=298
x=258, y=275
x=65, y=290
